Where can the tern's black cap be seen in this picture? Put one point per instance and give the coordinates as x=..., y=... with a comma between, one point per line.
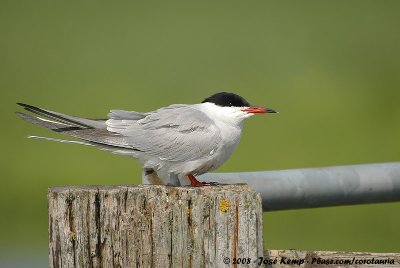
x=226, y=99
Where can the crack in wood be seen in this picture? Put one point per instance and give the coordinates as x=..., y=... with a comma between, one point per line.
x=70, y=199
x=98, y=226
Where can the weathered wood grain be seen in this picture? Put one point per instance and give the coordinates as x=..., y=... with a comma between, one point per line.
x=154, y=226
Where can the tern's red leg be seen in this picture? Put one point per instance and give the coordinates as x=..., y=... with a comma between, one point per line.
x=195, y=182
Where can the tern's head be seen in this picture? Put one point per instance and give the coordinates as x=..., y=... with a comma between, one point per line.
x=232, y=105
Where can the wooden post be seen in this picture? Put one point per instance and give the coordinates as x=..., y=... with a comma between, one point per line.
x=154, y=226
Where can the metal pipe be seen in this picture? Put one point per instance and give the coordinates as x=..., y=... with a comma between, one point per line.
x=320, y=187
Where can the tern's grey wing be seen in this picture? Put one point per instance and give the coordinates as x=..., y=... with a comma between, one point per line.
x=174, y=133
x=125, y=115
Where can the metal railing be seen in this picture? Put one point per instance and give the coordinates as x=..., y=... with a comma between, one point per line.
x=319, y=187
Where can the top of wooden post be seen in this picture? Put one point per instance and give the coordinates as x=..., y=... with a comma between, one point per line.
x=153, y=225
x=221, y=187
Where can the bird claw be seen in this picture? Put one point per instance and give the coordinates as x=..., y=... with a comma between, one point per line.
x=211, y=183
x=196, y=183
x=200, y=183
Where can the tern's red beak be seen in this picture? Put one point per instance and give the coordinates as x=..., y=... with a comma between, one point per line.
x=259, y=110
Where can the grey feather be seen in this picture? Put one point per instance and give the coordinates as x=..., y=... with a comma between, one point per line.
x=61, y=140
x=102, y=136
x=67, y=119
x=125, y=115
x=167, y=133
x=113, y=149
x=170, y=134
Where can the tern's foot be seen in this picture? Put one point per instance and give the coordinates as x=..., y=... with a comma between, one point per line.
x=196, y=183
x=200, y=183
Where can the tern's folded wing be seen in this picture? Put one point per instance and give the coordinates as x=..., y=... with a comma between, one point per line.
x=174, y=133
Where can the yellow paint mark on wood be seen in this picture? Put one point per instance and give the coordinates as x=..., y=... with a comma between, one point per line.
x=224, y=205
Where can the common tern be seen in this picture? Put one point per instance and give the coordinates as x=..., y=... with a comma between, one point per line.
x=174, y=143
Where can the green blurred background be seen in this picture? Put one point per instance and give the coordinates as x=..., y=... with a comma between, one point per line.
x=332, y=69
